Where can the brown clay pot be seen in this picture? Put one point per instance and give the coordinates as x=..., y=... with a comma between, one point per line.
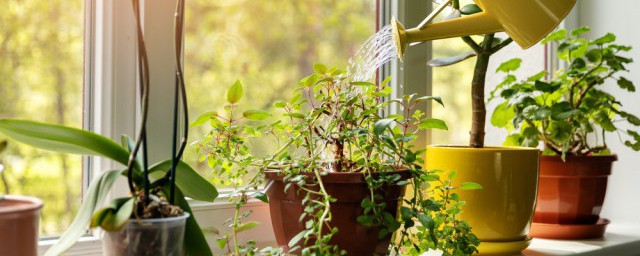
x=349, y=189
x=19, y=220
x=572, y=192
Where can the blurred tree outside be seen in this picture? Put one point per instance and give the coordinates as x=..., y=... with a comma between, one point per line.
x=269, y=46
x=41, y=50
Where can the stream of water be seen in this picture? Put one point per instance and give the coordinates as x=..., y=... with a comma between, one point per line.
x=376, y=51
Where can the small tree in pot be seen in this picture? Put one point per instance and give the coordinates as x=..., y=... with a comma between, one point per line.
x=336, y=182
x=155, y=219
x=570, y=115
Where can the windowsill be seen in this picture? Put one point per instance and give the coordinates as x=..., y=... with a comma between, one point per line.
x=619, y=240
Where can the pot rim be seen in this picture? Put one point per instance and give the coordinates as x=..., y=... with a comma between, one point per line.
x=483, y=149
x=27, y=204
x=339, y=177
x=599, y=158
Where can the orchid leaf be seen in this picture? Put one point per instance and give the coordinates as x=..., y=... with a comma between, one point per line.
x=95, y=195
x=187, y=179
x=63, y=139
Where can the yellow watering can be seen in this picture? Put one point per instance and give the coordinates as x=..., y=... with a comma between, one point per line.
x=526, y=21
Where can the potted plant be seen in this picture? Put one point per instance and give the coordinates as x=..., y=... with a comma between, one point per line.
x=155, y=219
x=335, y=184
x=19, y=218
x=501, y=213
x=570, y=115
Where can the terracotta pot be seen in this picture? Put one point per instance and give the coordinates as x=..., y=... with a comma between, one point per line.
x=19, y=220
x=500, y=213
x=572, y=192
x=349, y=189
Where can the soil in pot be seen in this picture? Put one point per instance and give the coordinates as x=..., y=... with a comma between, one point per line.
x=349, y=189
x=19, y=221
x=148, y=237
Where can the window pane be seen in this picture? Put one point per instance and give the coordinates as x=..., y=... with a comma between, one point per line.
x=453, y=84
x=269, y=46
x=41, y=79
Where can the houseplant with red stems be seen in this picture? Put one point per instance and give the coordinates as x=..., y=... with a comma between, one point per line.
x=335, y=184
x=570, y=115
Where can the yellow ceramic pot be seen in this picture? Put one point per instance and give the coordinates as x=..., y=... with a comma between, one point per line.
x=500, y=213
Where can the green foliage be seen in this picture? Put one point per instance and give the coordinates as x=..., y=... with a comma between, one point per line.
x=563, y=112
x=334, y=124
x=70, y=140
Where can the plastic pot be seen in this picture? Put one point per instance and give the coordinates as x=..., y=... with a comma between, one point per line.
x=500, y=214
x=572, y=191
x=349, y=189
x=19, y=221
x=152, y=237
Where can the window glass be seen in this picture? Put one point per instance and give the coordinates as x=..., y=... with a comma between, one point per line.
x=41, y=74
x=269, y=46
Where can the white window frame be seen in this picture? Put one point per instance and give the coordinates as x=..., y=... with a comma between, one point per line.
x=110, y=106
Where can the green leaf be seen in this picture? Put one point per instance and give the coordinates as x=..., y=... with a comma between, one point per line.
x=256, y=115
x=510, y=65
x=626, y=84
x=530, y=112
x=470, y=9
x=631, y=144
x=296, y=239
x=608, y=38
x=432, y=123
x=632, y=119
x=114, y=216
x=448, y=61
x=187, y=179
x=546, y=87
x=579, y=31
x=222, y=242
x=246, y=226
x=513, y=140
x=426, y=221
x=3, y=146
x=319, y=68
x=563, y=110
x=94, y=196
x=555, y=36
x=195, y=242
x=381, y=125
x=502, y=115
x=424, y=98
x=602, y=118
x=63, y=139
x=260, y=196
x=235, y=92
x=279, y=104
x=204, y=118
x=470, y=186
x=560, y=131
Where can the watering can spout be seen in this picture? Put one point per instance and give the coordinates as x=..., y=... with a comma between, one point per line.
x=526, y=21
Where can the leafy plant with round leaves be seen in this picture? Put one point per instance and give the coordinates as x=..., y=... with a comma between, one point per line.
x=333, y=124
x=572, y=113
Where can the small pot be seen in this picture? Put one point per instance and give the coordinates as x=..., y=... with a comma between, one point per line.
x=572, y=191
x=152, y=237
x=19, y=221
x=349, y=189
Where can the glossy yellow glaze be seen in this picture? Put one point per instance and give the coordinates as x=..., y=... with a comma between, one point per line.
x=503, y=209
x=526, y=21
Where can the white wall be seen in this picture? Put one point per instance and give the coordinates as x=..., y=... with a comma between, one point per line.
x=621, y=17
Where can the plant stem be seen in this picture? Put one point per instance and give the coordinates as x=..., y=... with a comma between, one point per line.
x=479, y=112
x=179, y=91
x=233, y=229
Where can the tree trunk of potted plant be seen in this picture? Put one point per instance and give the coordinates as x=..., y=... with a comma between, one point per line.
x=19, y=222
